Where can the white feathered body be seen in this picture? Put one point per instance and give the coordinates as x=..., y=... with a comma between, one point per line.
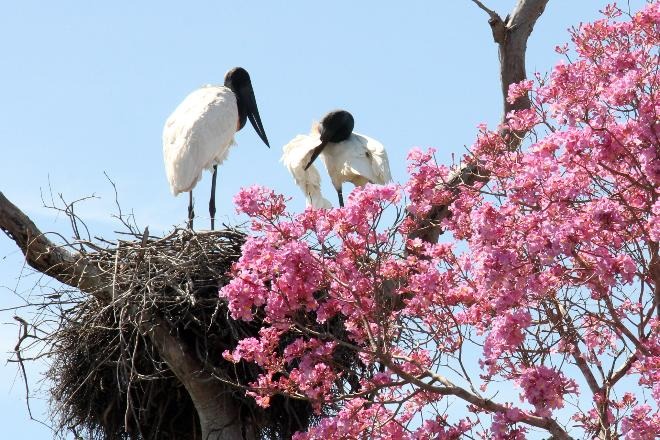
x=359, y=160
x=198, y=135
x=296, y=155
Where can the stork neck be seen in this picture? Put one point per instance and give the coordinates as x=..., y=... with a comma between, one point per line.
x=242, y=111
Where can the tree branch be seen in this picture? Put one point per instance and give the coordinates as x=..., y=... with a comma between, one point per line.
x=493, y=14
x=449, y=388
x=45, y=256
x=511, y=36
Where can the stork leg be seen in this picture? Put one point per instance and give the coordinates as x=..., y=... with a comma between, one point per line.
x=191, y=211
x=341, y=198
x=212, y=201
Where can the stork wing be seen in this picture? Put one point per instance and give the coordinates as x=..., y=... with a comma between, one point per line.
x=295, y=157
x=373, y=163
x=197, y=135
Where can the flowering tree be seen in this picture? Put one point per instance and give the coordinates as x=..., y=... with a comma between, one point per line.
x=538, y=311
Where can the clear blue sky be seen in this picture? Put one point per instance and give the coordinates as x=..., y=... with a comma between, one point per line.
x=86, y=86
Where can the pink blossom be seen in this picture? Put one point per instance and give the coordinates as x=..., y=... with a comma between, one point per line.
x=505, y=335
x=259, y=200
x=505, y=427
x=642, y=424
x=519, y=89
x=653, y=224
x=545, y=388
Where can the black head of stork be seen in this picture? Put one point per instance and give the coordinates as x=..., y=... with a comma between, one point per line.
x=335, y=127
x=238, y=81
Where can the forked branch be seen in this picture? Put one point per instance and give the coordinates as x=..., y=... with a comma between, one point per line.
x=511, y=35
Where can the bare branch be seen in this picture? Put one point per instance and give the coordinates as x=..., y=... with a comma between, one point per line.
x=493, y=14
x=23, y=334
x=45, y=256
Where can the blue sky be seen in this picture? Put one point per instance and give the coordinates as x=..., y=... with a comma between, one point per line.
x=86, y=87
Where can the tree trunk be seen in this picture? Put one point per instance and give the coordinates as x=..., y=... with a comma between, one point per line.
x=215, y=405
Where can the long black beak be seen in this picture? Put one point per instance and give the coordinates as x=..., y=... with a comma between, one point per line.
x=315, y=153
x=253, y=113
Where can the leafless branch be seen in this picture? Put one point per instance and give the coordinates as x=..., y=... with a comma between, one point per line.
x=47, y=257
x=493, y=14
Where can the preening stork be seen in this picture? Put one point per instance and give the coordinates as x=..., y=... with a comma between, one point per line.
x=199, y=133
x=348, y=157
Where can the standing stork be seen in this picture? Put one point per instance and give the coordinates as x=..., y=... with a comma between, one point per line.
x=348, y=157
x=199, y=133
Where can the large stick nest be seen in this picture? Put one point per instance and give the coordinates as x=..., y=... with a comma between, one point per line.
x=109, y=380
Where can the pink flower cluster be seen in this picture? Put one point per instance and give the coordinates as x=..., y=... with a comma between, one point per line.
x=642, y=424
x=505, y=336
x=505, y=426
x=359, y=420
x=554, y=262
x=545, y=388
x=648, y=364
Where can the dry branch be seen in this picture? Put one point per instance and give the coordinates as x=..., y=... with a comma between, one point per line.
x=47, y=257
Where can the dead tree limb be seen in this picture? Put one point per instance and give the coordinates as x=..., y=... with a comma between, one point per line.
x=45, y=256
x=511, y=35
